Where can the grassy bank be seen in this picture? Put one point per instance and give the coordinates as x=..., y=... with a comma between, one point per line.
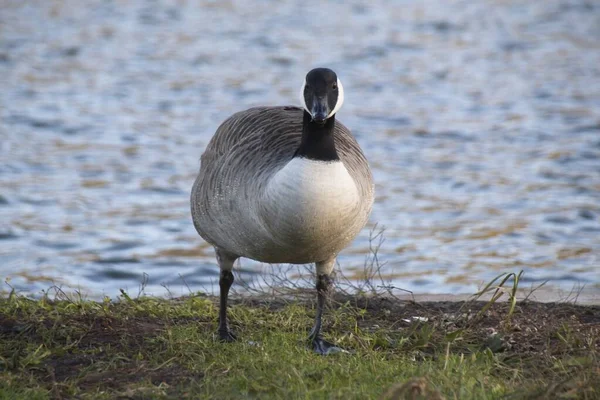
x=153, y=348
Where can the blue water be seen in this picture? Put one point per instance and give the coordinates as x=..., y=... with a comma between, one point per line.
x=481, y=122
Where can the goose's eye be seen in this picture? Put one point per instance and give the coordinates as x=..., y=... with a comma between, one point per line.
x=334, y=86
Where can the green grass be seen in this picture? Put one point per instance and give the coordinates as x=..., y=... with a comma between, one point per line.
x=154, y=348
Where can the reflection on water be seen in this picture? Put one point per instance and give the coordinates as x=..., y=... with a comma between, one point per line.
x=481, y=121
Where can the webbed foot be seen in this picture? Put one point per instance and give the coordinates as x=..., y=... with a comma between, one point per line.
x=227, y=336
x=324, y=348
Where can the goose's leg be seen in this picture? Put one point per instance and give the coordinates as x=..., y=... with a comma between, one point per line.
x=225, y=260
x=324, y=284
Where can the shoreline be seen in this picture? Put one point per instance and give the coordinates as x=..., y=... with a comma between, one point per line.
x=547, y=294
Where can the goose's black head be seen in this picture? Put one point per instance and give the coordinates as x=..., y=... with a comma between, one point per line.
x=322, y=94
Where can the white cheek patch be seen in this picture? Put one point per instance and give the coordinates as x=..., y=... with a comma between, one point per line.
x=340, y=99
x=302, y=99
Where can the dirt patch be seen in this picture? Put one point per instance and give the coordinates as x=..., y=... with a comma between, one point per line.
x=122, y=377
x=88, y=341
x=533, y=328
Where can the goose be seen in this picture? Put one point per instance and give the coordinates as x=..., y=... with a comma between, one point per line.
x=284, y=184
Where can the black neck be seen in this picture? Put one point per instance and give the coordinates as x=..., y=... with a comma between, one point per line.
x=317, y=140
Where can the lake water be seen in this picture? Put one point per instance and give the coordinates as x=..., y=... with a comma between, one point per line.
x=481, y=121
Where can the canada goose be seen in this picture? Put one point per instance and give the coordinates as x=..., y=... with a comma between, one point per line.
x=284, y=185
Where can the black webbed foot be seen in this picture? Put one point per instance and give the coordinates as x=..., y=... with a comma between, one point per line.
x=323, y=347
x=227, y=336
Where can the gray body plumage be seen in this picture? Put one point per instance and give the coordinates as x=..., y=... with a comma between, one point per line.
x=241, y=202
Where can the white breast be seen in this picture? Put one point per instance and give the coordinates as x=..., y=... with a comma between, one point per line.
x=312, y=203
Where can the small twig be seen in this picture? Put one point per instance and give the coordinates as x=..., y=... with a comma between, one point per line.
x=389, y=289
x=185, y=283
x=534, y=289
x=164, y=285
x=143, y=284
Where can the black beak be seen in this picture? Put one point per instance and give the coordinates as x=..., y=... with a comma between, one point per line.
x=320, y=110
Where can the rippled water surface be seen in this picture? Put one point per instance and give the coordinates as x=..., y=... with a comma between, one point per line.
x=481, y=121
